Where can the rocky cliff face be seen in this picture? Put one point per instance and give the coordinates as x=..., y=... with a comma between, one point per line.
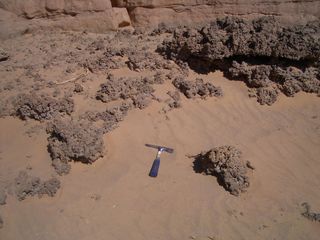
x=103, y=15
x=79, y=15
x=153, y=12
x=42, y=8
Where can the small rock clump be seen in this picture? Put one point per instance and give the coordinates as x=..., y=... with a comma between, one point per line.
x=175, y=101
x=292, y=80
x=308, y=214
x=103, y=57
x=192, y=89
x=3, y=55
x=268, y=79
x=255, y=76
x=227, y=165
x=142, y=60
x=1, y=222
x=157, y=78
x=73, y=140
x=49, y=187
x=78, y=88
x=42, y=107
x=110, y=118
x=136, y=89
x=162, y=28
x=267, y=95
x=26, y=185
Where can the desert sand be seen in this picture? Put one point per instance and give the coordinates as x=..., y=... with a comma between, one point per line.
x=112, y=197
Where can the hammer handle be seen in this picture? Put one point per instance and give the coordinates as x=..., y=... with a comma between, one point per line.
x=155, y=168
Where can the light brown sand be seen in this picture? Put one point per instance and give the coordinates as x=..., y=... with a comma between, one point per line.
x=116, y=199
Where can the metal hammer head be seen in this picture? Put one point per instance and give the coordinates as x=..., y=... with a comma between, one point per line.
x=161, y=148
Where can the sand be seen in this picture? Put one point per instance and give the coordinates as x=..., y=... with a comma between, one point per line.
x=281, y=141
x=112, y=197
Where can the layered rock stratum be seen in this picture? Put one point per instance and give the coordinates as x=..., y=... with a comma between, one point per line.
x=153, y=12
x=104, y=15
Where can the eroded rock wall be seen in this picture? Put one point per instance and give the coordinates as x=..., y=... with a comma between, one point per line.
x=103, y=15
x=153, y=12
x=78, y=15
x=40, y=8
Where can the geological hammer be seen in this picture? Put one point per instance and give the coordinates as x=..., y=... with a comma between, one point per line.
x=156, y=163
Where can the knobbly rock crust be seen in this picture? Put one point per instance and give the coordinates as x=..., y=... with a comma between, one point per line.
x=227, y=165
x=136, y=89
x=175, y=101
x=110, y=117
x=192, y=89
x=263, y=53
x=42, y=107
x=26, y=185
x=73, y=140
x=3, y=55
x=312, y=216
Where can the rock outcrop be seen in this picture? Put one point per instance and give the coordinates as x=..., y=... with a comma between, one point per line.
x=103, y=15
x=41, y=8
x=261, y=52
x=77, y=15
x=153, y=12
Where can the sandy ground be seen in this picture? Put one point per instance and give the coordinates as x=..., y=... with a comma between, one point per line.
x=116, y=199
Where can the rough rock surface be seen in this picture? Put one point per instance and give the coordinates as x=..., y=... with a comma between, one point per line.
x=73, y=140
x=233, y=37
x=103, y=15
x=267, y=95
x=268, y=78
x=110, y=118
x=42, y=107
x=3, y=55
x=146, y=60
x=76, y=15
x=1, y=222
x=26, y=185
x=137, y=89
x=49, y=187
x=175, y=101
x=227, y=165
x=261, y=52
x=40, y=8
x=192, y=89
x=308, y=214
x=181, y=12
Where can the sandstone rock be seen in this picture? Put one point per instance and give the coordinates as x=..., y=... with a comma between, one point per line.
x=97, y=22
x=177, y=12
x=92, y=16
x=41, y=8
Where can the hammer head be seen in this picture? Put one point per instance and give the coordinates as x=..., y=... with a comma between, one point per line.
x=160, y=148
